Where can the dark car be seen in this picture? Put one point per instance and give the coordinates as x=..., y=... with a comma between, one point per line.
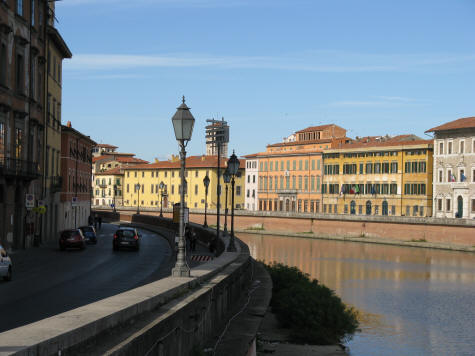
x=72, y=238
x=89, y=234
x=127, y=237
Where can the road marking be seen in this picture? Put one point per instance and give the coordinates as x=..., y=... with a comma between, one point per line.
x=201, y=258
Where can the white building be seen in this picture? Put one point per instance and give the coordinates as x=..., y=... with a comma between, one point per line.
x=454, y=169
x=252, y=177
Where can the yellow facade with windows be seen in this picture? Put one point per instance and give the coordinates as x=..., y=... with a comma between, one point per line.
x=389, y=177
x=108, y=188
x=149, y=177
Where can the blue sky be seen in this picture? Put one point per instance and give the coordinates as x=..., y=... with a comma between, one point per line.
x=269, y=67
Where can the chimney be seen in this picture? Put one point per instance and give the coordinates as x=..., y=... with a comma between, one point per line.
x=68, y=124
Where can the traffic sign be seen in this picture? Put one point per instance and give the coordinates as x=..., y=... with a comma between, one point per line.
x=30, y=201
x=74, y=201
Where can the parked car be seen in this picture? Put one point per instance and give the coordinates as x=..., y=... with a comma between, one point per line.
x=72, y=238
x=5, y=265
x=89, y=234
x=126, y=237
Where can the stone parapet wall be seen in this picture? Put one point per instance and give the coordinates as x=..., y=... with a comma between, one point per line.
x=171, y=316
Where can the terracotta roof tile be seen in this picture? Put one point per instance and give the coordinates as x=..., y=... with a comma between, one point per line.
x=463, y=123
x=105, y=145
x=113, y=171
x=99, y=158
x=130, y=160
x=191, y=162
x=375, y=144
x=317, y=128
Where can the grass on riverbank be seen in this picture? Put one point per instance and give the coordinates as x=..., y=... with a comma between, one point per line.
x=312, y=311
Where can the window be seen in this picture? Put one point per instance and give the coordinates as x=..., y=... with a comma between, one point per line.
x=441, y=176
x=32, y=12
x=369, y=168
x=300, y=165
x=173, y=189
x=462, y=146
x=20, y=80
x=473, y=205
x=19, y=7
x=377, y=168
x=196, y=189
x=3, y=64
x=449, y=151
x=2, y=141
x=439, y=204
x=441, y=148
x=238, y=190
x=449, y=176
x=447, y=205
x=19, y=143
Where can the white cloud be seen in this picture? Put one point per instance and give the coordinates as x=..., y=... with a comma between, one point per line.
x=312, y=61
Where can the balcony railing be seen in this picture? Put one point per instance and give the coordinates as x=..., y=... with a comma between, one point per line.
x=19, y=168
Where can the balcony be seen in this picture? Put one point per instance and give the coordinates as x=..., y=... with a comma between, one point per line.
x=16, y=168
x=102, y=185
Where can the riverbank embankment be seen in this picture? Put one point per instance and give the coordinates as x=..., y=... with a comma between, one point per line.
x=394, y=242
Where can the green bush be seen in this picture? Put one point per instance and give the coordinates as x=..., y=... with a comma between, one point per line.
x=312, y=311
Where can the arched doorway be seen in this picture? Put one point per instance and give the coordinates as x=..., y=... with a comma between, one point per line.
x=368, y=207
x=385, y=208
x=459, y=207
x=353, y=207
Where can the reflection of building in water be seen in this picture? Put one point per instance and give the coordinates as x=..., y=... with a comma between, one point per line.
x=335, y=262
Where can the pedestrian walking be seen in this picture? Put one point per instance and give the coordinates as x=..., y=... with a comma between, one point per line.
x=193, y=238
x=100, y=222
x=96, y=221
x=90, y=220
x=188, y=238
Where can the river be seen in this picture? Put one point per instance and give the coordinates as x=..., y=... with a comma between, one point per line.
x=413, y=301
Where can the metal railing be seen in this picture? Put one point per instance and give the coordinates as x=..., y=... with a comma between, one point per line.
x=13, y=167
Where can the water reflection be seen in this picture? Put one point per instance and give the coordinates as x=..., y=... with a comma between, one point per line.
x=412, y=301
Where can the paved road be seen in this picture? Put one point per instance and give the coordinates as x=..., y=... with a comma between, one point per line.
x=47, y=281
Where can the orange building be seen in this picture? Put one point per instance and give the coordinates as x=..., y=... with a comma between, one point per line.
x=290, y=172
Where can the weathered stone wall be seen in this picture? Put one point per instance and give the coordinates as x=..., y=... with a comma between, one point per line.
x=435, y=230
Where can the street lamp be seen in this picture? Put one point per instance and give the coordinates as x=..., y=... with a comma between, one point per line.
x=161, y=186
x=227, y=179
x=206, y=183
x=137, y=187
x=183, y=122
x=233, y=167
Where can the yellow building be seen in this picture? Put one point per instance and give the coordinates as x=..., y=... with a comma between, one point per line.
x=57, y=50
x=149, y=177
x=379, y=176
x=108, y=188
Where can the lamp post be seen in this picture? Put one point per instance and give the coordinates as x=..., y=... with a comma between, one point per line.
x=161, y=186
x=227, y=179
x=206, y=184
x=233, y=167
x=183, y=122
x=137, y=187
